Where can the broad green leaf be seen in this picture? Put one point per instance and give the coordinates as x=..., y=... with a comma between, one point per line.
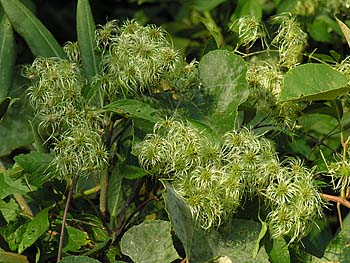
x=133, y=172
x=278, y=251
x=345, y=29
x=311, y=81
x=202, y=6
x=149, y=242
x=9, y=185
x=115, y=192
x=318, y=239
x=76, y=239
x=338, y=249
x=248, y=8
x=224, y=78
x=15, y=131
x=319, y=29
x=212, y=27
x=9, y=257
x=37, y=165
x=13, y=233
x=35, y=228
x=79, y=259
x=193, y=237
x=133, y=109
x=86, y=38
x=7, y=57
x=236, y=241
x=9, y=210
x=4, y=104
x=95, y=228
x=40, y=41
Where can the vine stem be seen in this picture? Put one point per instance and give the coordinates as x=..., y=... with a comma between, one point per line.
x=64, y=219
x=336, y=199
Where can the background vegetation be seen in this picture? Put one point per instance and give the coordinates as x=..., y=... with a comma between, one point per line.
x=174, y=131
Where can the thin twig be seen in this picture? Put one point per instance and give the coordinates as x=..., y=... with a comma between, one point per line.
x=103, y=193
x=60, y=246
x=184, y=260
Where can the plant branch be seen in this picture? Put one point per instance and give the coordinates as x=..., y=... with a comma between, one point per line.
x=60, y=246
x=336, y=199
x=23, y=205
x=103, y=193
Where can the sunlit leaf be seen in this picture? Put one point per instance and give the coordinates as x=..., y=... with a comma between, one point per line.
x=236, y=241
x=9, y=185
x=133, y=109
x=9, y=210
x=35, y=228
x=313, y=82
x=149, y=242
x=278, y=252
x=75, y=239
x=224, y=78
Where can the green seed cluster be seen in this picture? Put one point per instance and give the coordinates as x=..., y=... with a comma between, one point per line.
x=290, y=40
x=340, y=171
x=134, y=57
x=214, y=180
x=73, y=127
x=249, y=30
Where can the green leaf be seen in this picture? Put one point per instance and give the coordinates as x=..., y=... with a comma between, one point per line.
x=37, y=165
x=76, y=239
x=236, y=241
x=9, y=185
x=9, y=210
x=318, y=239
x=4, y=104
x=86, y=38
x=149, y=242
x=7, y=57
x=248, y=7
x=39, y=39
x=15, y=131
x=260, y=237
x=133, y=109
x=212, y=27
x=202, y=6
x=278, y=252
x=193, y=237
x=115, y=194
x=79, y=259
x=345, y=29
x=319, y=29
x=35, y=228
x=224, y=77
x=9, y=257
x=338, y=249
x=313, y=82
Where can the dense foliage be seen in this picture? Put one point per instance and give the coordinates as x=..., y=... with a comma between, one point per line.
x=208, y=131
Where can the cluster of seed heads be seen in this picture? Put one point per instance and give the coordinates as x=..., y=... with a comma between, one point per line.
x=340, y=171
x=134, y=57
x=215, y=180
